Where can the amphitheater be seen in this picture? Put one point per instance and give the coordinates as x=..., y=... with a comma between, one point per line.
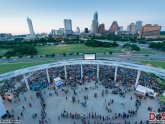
x=87, y=96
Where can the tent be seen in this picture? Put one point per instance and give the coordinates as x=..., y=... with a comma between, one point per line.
x=144, y=90
x=141, y=90
x=58, y=81
x=2, y=108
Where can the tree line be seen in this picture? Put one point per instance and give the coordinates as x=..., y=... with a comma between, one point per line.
x=158, y=46
x=21, y=51
x=33, y=42
x=95, y=43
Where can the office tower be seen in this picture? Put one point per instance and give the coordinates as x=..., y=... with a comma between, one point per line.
x=68, y=26
x=150, y=31
x=114, y=27
x=77, y=30
x=138, y=26
x=86, y=30
x=30, y=25
x=53, y=32
x=94, y=26
x=61, y=31
x=131, y=28
x=121, y=28
x=101, y=29
x=120, y=31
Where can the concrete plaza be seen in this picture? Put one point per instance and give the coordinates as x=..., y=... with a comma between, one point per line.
x=56, y=104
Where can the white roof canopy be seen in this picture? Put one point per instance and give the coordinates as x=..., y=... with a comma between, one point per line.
x=126, y=64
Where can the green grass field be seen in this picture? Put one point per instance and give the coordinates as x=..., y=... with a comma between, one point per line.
x=154, y=63
x=7, y=67
x=81, y=48
x=73, y=48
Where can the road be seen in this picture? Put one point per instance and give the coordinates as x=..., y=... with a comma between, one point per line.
x=121, y=43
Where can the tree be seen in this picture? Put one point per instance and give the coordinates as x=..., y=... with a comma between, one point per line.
x=132, y=47
x=8, y=57
x=77, y=53
x=64, y=54
x=110, y=52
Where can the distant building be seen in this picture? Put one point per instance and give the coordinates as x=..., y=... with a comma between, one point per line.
x=101, y=29
x=68, y=26
x=19, y=36
x=150, y=31
x=53, y=32
x=138, y=26
x=95, y=23
x=77, y=30
x=131, y=28
x=30, y=25
x=86, y=30
x=114, y=27
x=121, y=28
x=5, y=36
x=61, y=31
x=44, y=35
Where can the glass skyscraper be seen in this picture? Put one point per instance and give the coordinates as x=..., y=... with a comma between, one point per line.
x=68, y=26
x=95, y=23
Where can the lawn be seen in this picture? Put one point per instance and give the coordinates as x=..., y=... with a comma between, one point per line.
x=154, y=63
x=6, y=67
x=73, y=48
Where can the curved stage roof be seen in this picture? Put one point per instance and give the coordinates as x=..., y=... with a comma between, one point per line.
x=157, y=71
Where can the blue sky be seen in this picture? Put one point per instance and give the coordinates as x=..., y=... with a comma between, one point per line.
x=49, y=14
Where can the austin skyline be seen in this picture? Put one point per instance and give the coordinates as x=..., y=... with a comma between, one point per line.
x=49, y=14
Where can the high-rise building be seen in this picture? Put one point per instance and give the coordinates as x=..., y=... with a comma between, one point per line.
x=68, y=26
x=138, y=26
x=77, y=30
x=121, y=28
x=30, y=25
x=101, y=29
x=95, y=23
x=114, y=27
x=61, y=31
x=53, y=32
x=131, y=28
x=86, y=30
x=150, y=31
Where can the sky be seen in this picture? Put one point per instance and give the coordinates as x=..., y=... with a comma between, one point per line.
x=49, y=14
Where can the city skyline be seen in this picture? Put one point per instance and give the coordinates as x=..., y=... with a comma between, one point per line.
x=47, y=15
